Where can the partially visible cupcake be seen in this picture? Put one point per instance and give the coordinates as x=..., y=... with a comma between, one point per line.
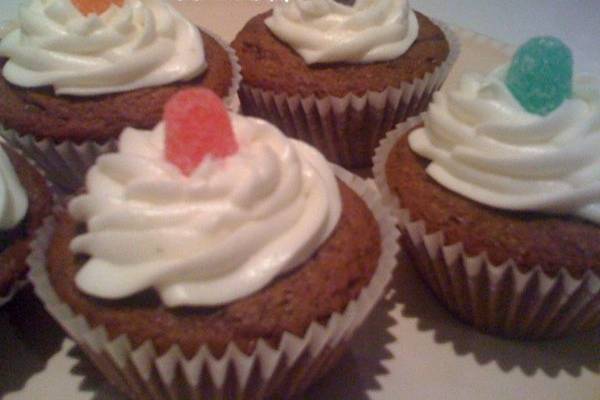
x=339, y=76
x=25, y=200
x=74, y=78
x=499, y=195
x=242, y=276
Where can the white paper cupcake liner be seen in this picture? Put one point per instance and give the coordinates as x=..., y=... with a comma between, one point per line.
x=282, y=372
x=348, y=129
x=236, y=70
x=66, y=162
x=498, y=299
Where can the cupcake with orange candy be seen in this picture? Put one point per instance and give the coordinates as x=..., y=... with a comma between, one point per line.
x=213, y=257
x=75, y=73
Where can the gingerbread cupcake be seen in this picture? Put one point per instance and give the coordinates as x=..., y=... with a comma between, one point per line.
x=25, y=201
x=339, y=76
x=75, y=74
x=498, y=195
x=240, y=275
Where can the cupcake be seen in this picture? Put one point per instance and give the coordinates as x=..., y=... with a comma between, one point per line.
x=213, y=257
x=75, y=74
x=339, y=76
x=24, y=203
x=498, y=195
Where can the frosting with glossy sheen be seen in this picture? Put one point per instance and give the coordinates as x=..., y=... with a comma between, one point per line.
x=216, y=236
x=323, y=31
x=13, y=198
x=142, y=44
x=486, y=147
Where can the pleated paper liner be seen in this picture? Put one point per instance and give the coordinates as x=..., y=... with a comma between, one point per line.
x=66, y=162
x=500, y=299
x=284, y=371
x=348, y=129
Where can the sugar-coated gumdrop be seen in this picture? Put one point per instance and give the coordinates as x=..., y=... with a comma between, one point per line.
x=197, y=124
x=540, y=75
x=95, y=6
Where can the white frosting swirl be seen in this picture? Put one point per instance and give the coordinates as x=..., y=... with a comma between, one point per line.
x=323, y=31
x=142, y=44
x=218, y=235
x=486, y=147
x=13, y=198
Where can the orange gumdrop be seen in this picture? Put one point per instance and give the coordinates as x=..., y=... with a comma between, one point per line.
x=197, y=125
x=95, y=6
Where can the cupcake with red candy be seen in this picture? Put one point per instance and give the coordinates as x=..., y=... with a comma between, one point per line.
x=214, y=257
x=499, y=198
x=75, y=73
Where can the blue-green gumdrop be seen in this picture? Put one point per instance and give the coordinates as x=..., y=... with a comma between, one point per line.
x=540, y=75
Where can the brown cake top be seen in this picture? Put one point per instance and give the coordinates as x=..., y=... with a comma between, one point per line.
x=14, y=244
x=41, y=113
x=322, y=285
x=270, y=64
x=530, y=239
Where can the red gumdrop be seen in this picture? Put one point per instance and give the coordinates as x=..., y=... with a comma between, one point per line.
x=197, y=124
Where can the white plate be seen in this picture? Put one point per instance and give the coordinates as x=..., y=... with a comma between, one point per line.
x=410, y=348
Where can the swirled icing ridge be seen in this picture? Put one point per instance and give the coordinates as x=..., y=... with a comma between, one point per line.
x=324, y=31
x=142, y=44
x=485, y=146
x=218, y=235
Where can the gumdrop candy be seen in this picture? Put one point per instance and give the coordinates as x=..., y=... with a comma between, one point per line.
x=95, y=6
x=540, y=75
x=197, y=124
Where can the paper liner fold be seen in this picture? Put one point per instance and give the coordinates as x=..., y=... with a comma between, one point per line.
x=284, y=371
x=501, y=299
x=66, y=162
x=348, y=129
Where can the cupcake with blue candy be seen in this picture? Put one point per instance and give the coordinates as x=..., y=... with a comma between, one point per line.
x=498, y=190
